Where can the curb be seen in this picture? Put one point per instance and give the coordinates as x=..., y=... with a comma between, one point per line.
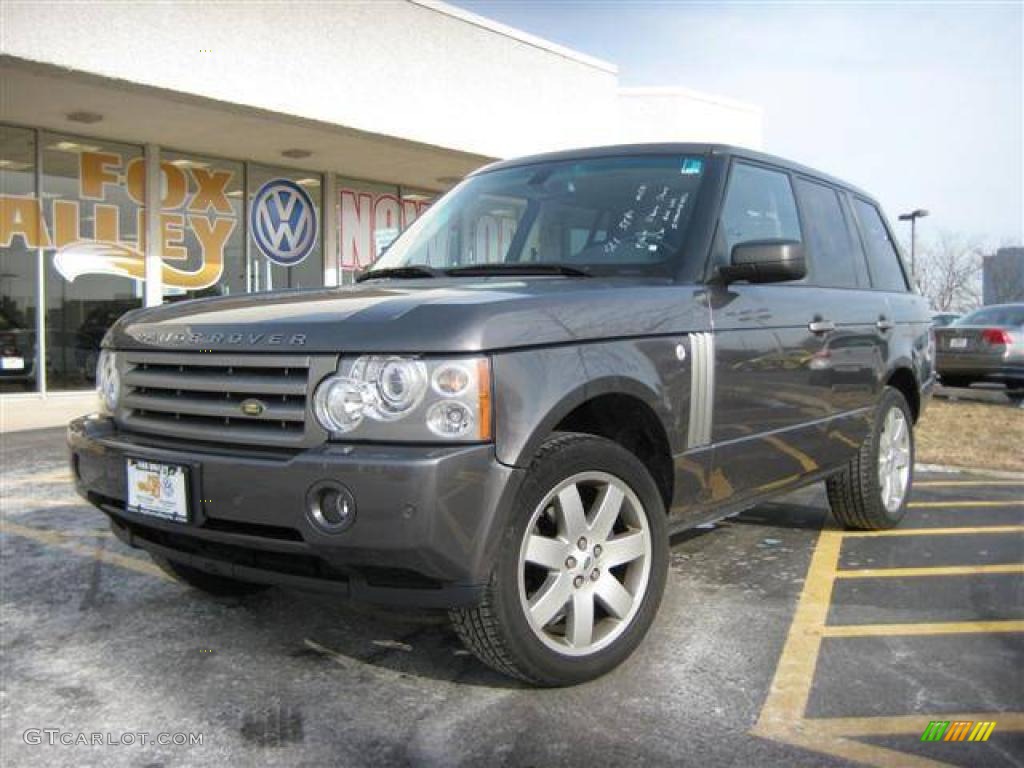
x=995, y=474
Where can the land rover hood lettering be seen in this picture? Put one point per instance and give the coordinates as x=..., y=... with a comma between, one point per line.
x=197, y=339
x=417, y=316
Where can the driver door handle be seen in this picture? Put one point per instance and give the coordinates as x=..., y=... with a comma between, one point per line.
x=821, y=326
x=885, y=325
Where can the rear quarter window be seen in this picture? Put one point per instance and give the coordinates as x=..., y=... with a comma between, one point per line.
x=883, y=258
x=828, y=237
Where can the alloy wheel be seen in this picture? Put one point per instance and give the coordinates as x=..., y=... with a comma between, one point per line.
x=894, y=459
x=584, y=563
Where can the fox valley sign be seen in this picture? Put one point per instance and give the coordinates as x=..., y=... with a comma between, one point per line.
x=102, y=231
x=193, y=199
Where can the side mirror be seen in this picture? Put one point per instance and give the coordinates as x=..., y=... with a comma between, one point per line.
x=765, y=261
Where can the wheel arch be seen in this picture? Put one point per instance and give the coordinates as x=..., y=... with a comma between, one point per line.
x=904, y=380
x=543, y=393
x=631, y=422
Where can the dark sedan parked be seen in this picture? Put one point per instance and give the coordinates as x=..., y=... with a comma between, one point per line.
x=985, y=346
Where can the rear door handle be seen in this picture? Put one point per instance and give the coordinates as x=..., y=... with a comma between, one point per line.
x=821, y=326
x=885, y=325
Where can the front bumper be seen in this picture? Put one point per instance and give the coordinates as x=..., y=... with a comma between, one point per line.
x=427, y=524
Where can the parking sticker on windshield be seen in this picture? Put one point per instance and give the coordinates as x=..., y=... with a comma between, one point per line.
x=692, y=166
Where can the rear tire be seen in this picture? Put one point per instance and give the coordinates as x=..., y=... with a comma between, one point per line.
x=222, y=586
x=860, y=496
x=580, y=570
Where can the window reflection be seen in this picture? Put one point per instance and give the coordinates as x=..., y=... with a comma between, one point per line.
x=18, y=272
x=202, y=226
x=92, y=196
x=83, y=213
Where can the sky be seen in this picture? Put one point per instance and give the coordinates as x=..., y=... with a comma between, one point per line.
x=921, y=104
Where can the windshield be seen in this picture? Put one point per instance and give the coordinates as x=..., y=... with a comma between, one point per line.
x=1009, y=315
x=612, y=215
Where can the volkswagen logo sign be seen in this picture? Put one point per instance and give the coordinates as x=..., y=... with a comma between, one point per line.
x=283, y=222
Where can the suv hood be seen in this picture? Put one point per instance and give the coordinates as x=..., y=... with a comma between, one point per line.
x=412, y=316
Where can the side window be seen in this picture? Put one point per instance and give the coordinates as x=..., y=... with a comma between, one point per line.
x=758, y=206
x=860, y=259
x=883, y=259
x=829, y=240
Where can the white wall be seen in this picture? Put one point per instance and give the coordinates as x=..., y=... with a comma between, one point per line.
x=411, y=69
x=680, y=114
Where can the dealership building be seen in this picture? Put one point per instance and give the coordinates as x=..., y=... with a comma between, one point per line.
x=287, y=144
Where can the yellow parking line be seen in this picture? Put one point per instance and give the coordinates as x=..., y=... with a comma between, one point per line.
x=53, y=476
x=964, y=483
x=909, y=724
x=829, y=743
x=794, y=675
x=783, y=714
x=936, y=531
x=937, y=628
x=964, y=504
x=57, y=539
x=21, y=504
x=949, y=570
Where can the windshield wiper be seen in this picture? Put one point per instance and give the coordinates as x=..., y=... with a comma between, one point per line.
x=411, y=271
x=516, y=268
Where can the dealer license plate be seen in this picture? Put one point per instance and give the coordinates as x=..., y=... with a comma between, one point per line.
x=12, y=363
x=156, y=489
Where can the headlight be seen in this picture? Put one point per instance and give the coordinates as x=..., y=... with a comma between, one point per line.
x=407, y=399
x=108, y=380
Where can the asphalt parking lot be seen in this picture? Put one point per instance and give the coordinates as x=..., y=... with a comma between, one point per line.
x=781, y=641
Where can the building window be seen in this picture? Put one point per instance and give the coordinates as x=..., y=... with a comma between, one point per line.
x=201, y=225
x=225, y=227
x=415, y=202
x=93, y=193
x=285, y=243
x=20, y=231
x=370, y=217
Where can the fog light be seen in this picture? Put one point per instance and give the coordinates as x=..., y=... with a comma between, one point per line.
x=331, y=507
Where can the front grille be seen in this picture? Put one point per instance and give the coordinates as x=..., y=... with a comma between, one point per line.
x=200, y=396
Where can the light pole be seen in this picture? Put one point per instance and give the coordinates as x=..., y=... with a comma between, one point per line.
x=912, y=217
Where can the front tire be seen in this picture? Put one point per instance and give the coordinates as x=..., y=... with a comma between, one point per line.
x=871, y=493
x=580, y=569
x=222, y=586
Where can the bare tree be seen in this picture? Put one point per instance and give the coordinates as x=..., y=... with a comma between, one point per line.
x=949, y=271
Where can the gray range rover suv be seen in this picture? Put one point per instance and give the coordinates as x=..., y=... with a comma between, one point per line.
x=566, y=359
